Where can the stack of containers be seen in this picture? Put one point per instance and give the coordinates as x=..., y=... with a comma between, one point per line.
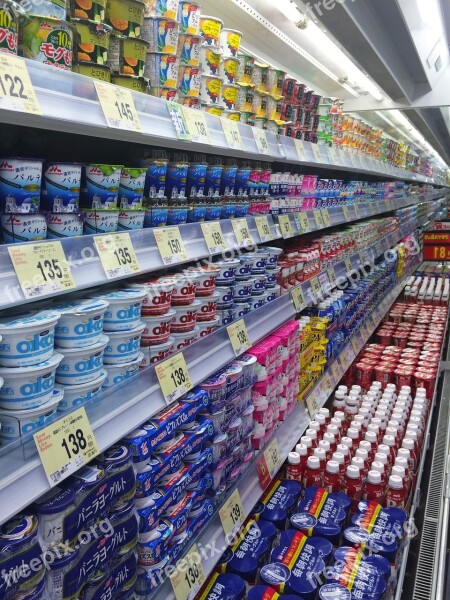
x=300, y=107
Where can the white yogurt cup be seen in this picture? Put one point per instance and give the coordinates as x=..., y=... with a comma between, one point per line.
x=157, y=329
x=77, y=395
x=28, y=387
x=154, y=354
x=18, y=423
x=207, y=327
x=118, y=373
x=182, y=340
x=158, y=298
x=81, y=365
x=206, y=283
x=228, y=269
x=80, y=324
x=185, y=317
x=184, y=288
x=28, y=340
x=208, y=307
x=124, y=310
x=123, y=346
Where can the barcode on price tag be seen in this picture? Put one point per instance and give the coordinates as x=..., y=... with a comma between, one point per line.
x=178, y=120
x=173, y=377
x=232, y=514
x=118, y=106
x=261, y=140
x=187, y=581
x=170, y=245
x=16, y=90
x=298, y=299
x=263, y=227
x=242, y=232
x=285, y=226
x=232, y=134
x=239, y=337
x=197, y=125
x=303, y=221
x=117, y=255
x=318, y=219
x=212, y=232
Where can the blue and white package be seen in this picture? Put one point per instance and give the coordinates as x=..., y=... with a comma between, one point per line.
x=61, y=188
x=212, y=180
x=228, y=180
x=155, y=179
x=176, y=180
x=195, y=186
x=124, y=346
x=80, y=324
x=81, y=365
x=100, y=186
x=20, y=185
x=278, y=502
x=131, y=188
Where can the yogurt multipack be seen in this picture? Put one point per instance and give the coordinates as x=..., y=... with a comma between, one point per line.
x=278, y=503
x=224, y=586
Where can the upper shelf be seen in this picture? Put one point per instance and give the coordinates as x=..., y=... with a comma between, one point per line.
x=69, y=104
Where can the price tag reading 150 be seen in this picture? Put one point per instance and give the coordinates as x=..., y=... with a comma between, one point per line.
x=263, y=227
x=117, y=255
x=170, y=245
x=118, y=106
x=242, y=232
x=173, y=377
x=16, y=90
x=212, y=232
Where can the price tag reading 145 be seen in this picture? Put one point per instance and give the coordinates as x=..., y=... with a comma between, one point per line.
x=117, y=255
x=173, y=377
x=187, y=582
x=118, y=106
x=170, y=245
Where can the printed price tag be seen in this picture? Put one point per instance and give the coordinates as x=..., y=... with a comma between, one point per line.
x=326, y=217
x=348, y=265
x=16, y=90
x=170, y=245
x=197, y=125
x=263, y=227
x=346, y=213
x=263, y=471
x=316, y=151
x=312, y=404
x=239, y=337
x=66, y=445
x=316, y=289
x=332, y=277
x=356, y=209
x=261, y=140
x=327, y=385
x=232, y=134
x=186, y=583
x=232, y=514
x=303, y=221
x=336, y=370
x=212, y=232
x=285, y=226
x=178, y=120
x=300, y=149
x=366, y=330
x=324, y=282
x=298, y=299
x=355, y=345
x=273, y=458
x=318, y=219
x=118, y=106
x=41, y=269
x=242, y=232
x=332, y=154
x=173, y=377
x=117, y=255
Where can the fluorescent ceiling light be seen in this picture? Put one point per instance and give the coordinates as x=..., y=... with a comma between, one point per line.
x=289, y=10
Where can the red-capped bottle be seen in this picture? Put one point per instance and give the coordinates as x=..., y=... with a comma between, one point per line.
x=332, y=478
x=353, y=485
x=312, y=474
x=294, y=470
x=396, y=492
x=373, y=488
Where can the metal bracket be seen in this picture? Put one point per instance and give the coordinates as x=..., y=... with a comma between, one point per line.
x=447, y=478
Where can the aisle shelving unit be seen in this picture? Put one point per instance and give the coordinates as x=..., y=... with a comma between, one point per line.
x=22, y=477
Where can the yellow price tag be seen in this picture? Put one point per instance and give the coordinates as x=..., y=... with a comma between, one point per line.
x=332, y=277
x=41, y=268
x=273, y=458
x=173, y=377
x=312, y=405
x=117, y=255
x=197, y=125
x=346, y=213
x=66, y=445
x=285, y=226
x=232, y=514
x=232, y=134
x=318, y=219
x=242, y=232
x=239, y=337
x=356, y=209
x=170, y=245
x=316, y=289
x=336, y=371
x=16, y=90
x=348, y=265
x=118, y=106
x=316, y=151
x=300, y=149
x=212, y=232
x=261, y=140
x=263, y=227
x=298, y=299
x=303, y=221
x=187, y=582
x=355, y=345
x=326, y=217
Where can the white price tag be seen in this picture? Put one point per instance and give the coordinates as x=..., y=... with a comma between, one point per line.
x=261, y=140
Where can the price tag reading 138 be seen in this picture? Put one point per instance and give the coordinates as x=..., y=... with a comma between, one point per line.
x=170, y=245
x=197, y=125
x=16, y=90
x=118, y=106
x=173, y=377
x=188, y=581
x=117, y=255
x=239, y=337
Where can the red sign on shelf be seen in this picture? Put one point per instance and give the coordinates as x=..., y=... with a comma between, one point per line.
x=263, y=471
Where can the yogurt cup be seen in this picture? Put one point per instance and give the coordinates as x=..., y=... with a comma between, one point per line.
x=227, y=315
x=131, y=188
x=227, y=273
x=161, y=33
x=228, y=69
x=230, y=42
x=124, y=310
x=39, y=33
x=184, y=288
x=185, y=317
x=18, y=228
x=182, y=340
x=100, y=186
x=210, y=60
x=242, y=290
x=210, y=29
x=28, y=340
x=229, y=95
x=244, y=270
x=10, y=18
x=60, y=225
x=126, y=16
x=189, y=17
x=189, y=81
x=80, y=324
x=206, y=281
x=121, y=372
x=162, y=70
x=18, y=423
x=158, y=298
x=272, y=277
x=258, y=285
x=259, y=263
x=210, y=89
x=208, y=307
x=51, y=510
x=207, y=327
x=161, y=8
x=95, y=10
x=157, y=329
x=131, y=220
x=257, y=302
x=226, y=296
x=77, y=395
x=19, y=533
x=123, y=346
x=273, y=255
x=100, y=221
x=61, y=189
x=28, y=387
x=81, y=365
x=242, y=309
x=188, y=50
x=154, y=354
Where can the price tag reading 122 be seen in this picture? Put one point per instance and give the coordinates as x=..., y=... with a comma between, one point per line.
x=118, y=106
x=41, y=269
x=16, y=90
x=239, y=337
x=263, y=227
x=212, y=232
x=170, y=245
x=173, y=377
x=117, y=255
x=66, y=445
x=187, y=582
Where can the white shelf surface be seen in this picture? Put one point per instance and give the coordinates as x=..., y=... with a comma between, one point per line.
x=22, y=477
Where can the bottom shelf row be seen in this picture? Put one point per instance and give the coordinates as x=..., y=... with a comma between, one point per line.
x=196, y=471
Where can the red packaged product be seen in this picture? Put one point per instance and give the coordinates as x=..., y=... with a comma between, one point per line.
x=384, y=374
x=403, y=376
x=425, y=380
x=363, y=374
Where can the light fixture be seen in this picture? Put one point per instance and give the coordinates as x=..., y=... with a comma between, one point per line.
x=289, y=10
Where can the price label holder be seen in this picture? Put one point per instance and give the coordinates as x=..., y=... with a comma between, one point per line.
x=117, y=255
x=212, y=232
x=173, y=377
x=312, y=404
x=178, y=120
x=16, y=90
x=232, y=514
x=186, y=583
x=327, y=384
x=285, y=226
x=118, y=106
x=355, y=345
x=302, y=221
x=170, y=245
x=316, y=289
x=316, y=152
x=336, y=370
x=324, y=282
x=41, y=269
x=332, y=277
x=346, y=213
x=66, y=445
x=300, y=149
x=197, y=125
x=348, y=265
x=239, y=337
x=339, y=156
x=242, y=233
x=261, y=140
x=263, y=227
x=318, y=219
x=232, y=134
x=273, y=458
x=298, y=299
x=356, y=209
x=326, y=217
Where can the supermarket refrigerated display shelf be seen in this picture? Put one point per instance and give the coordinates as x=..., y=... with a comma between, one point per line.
x=70, y=104
x=83, y=256
x=287, y=435
x=23, y=479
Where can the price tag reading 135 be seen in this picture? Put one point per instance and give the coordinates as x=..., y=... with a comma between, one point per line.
x=187, y=582
x=173, y=377
x=66, y=445
x=170, y=245
x=239, y=337
x=117, y=255
x=212, y=232
x=232, y=514
x=118, y=106
x=263, y=227
x=41, y=268
x=16, y=90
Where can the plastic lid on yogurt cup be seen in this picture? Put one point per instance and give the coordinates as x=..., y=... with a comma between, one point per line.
x=54, y=501
x=83, y=307
x=29, y=319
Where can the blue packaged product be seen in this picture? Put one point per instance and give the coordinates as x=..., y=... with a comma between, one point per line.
x=196, y=213
x=202, y=486
x=14, y=578
x=242, y=179
x=155, y=179
x=265, y=592
x=228, y=180
x=228, y=210
x=212, y=180
x=197, y=394
x=177, y=215
x=321, y=513
x=20, y=185
x=117, y=583
x=156, y=216
x=278, y=502
x=176, y=180
x=224, y=586
x=61, y=188
x=379, y=562
x=241, y=209
x=177, y=516
x=322, y=545
x=100, y=186
x=152, y=545
x=195, y=185
x=131, y=188
x=212, y=212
